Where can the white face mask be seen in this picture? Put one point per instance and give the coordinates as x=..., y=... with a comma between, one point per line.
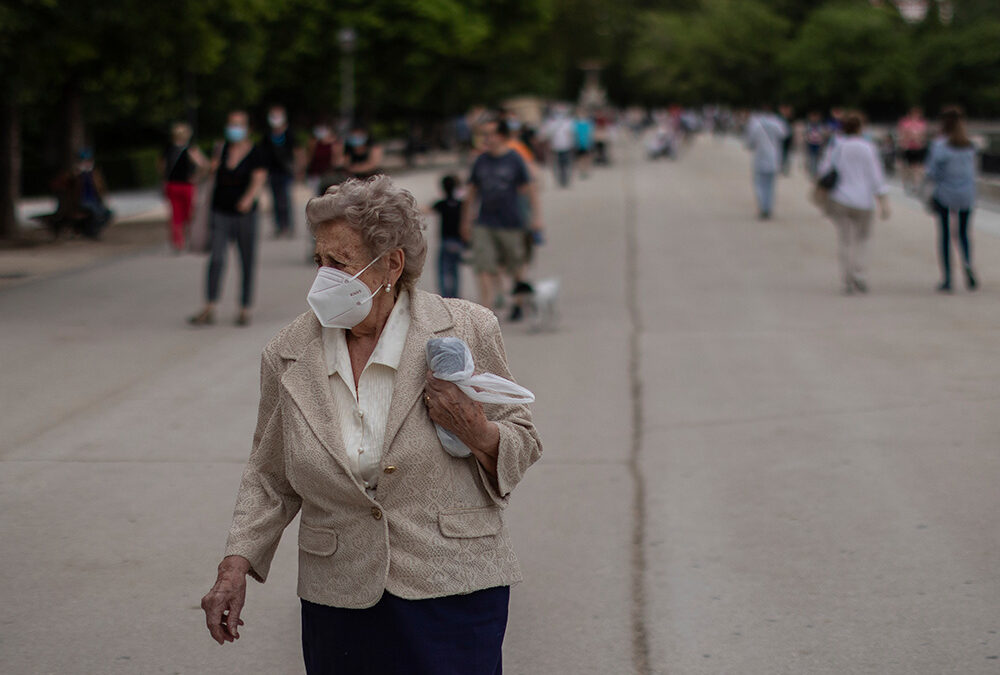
x=340, y=300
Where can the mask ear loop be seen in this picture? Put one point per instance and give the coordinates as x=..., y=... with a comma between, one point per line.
x=366, y=267
x=386, y=286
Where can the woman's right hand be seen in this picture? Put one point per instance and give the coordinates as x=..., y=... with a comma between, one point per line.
x=224, y=602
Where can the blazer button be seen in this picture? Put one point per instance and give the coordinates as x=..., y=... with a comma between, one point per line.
x=376, y=513
x=389, y=469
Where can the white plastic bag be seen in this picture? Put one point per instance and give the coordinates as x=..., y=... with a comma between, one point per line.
x=450, y=359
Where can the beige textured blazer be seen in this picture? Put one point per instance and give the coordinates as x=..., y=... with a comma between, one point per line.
x=435, y=526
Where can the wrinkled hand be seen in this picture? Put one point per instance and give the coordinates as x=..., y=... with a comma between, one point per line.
x=224, y=602
x=450, y=408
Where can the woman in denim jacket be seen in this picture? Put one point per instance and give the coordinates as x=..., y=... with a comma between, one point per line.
x=951, y=167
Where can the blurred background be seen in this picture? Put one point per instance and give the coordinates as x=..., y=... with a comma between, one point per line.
x=112, y=76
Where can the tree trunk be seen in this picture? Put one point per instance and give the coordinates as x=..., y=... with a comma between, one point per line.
x=10, y=167
x=75, y=137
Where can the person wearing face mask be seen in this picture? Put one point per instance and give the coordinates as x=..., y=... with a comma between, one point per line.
x=324, y=158
x=179, y=165
x=240, y=173
x=278, y=148
x=363, y=157
x=80, y=192
x=405, y=563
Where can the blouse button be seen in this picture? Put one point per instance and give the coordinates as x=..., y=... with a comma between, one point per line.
x=376, y=513
x=389, y=469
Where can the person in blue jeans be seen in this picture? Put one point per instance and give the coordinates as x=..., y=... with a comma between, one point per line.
x=765, y=135
x=449, y=211
x=951, y=167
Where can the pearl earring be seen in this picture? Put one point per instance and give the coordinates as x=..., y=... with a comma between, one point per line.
x=388, y=287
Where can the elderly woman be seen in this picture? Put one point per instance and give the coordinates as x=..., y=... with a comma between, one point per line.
x=405, y=561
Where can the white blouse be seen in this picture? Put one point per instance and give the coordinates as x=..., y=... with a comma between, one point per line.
x=364, y=412
x=859, y=172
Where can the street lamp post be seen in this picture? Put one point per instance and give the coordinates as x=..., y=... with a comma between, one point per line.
x=347, y=38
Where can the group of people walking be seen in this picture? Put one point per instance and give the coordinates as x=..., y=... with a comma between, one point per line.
x=234, y=179
x=495, y=217
x=494, y=220
x=849, y=170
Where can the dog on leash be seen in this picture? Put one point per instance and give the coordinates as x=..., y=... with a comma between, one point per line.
x=539, y=302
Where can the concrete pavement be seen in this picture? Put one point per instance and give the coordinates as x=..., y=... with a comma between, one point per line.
x=744, y=471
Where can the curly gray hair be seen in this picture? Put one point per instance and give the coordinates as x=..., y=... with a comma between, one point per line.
x=386, y=216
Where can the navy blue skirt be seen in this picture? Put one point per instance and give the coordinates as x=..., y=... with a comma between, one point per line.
x=454, y=635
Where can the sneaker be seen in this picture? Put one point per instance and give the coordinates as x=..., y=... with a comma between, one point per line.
x=243, y=318
x=944, y=287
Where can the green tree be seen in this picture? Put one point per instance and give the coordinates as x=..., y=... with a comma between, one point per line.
x=71, y=70
x=726, y=51
x=851, y=54
x=961, y=65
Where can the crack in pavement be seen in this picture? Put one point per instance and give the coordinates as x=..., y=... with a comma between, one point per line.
x=640, y=637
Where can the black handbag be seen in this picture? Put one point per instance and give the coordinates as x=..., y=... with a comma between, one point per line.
x=828, y=180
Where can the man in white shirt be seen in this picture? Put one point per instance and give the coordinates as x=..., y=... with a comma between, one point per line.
x=765, y=135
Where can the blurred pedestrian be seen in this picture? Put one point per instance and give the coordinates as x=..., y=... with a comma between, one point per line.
x=325, y=155
x=852, y=200
x=451, y=246
x=912, y=134
x=278, y=152
x=584, y=142
x=362, y=155
x=602, y=139
x=787, y=114
x=815, y=137
x=887, y=148
x=498, y=242
x=765, y=135
x=951, y=167
x=240, y=173
x=179, y=166
x=560, y=132
x=81, y=197
x=532, y=237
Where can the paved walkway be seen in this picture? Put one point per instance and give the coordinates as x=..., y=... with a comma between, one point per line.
x=744, y=471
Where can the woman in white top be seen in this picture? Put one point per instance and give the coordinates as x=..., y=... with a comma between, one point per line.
x=852, y=201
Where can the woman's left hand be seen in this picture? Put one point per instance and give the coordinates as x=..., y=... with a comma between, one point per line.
x=450, y=408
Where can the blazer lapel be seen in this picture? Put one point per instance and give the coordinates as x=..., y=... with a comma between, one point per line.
x=428, y=316
x=307, y=382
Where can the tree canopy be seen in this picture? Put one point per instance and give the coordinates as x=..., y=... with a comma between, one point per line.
x=116, y=72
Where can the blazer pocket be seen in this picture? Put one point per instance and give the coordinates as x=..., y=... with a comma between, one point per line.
x=471, y=523
x=317, y=541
